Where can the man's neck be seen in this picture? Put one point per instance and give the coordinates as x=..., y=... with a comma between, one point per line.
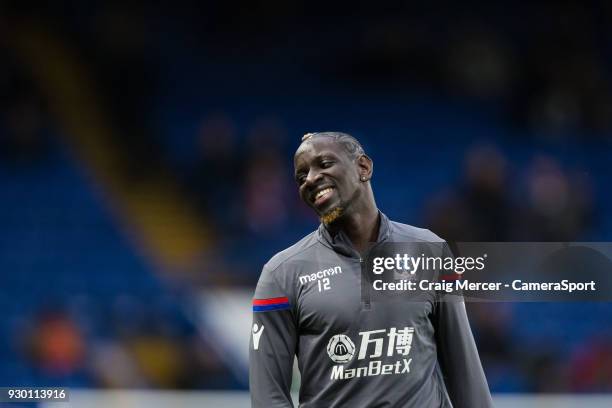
x=361, y=227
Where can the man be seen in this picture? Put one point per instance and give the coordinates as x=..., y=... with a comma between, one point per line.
x=314, y=300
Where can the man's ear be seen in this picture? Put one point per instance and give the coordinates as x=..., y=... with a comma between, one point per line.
x=365, y=167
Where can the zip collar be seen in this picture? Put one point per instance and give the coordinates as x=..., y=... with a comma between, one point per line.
x=340, y=242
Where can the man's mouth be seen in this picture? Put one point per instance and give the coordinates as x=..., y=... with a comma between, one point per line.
x=322, y=195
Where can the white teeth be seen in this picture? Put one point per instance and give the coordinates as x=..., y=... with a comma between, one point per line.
x=322, y=192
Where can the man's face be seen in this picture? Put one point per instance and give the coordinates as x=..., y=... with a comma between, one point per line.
x=327, y=177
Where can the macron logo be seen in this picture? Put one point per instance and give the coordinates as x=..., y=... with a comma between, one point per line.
x=320, y=275
x=257, y=331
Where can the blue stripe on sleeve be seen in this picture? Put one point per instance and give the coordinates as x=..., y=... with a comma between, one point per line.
x=266, y=308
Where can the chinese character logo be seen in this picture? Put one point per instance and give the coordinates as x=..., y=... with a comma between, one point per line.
x=400, y=342
x=340, y=348
x=401, y=339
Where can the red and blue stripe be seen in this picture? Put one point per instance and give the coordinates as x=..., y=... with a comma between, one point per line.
x=264, y=305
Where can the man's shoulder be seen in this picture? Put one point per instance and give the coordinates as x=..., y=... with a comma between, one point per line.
x=412, y=233
x=294, y=252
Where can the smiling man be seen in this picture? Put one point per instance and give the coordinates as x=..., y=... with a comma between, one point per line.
x=313, y=301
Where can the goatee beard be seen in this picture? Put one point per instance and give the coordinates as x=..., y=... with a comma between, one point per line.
x=332, y=215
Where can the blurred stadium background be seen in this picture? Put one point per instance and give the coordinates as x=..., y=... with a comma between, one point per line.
x=146, y=175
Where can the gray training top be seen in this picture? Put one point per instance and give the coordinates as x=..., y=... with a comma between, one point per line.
x=313, y=300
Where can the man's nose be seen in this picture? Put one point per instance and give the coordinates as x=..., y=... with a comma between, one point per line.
x=313, y=177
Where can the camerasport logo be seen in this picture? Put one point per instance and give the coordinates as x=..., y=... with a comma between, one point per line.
x=373, y=346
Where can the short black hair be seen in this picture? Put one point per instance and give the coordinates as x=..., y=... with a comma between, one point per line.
x=348, y=142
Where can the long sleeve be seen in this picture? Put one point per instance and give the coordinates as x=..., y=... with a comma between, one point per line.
x=457, y=353
x=272, y=345
x=463, y=374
